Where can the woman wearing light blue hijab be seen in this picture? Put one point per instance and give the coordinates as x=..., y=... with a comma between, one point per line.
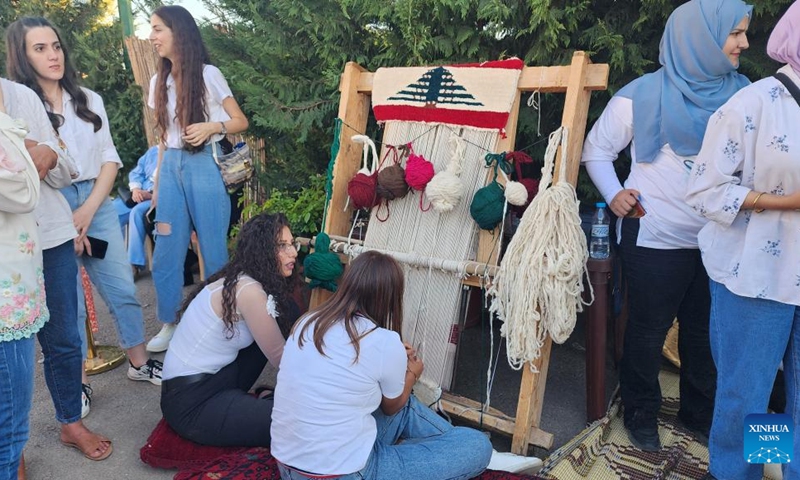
x=662, y=116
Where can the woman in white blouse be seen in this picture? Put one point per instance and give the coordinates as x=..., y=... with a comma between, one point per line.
x=746, y=180
x=194, y=109
x=79, y=116
x=662, y=116
x=230, y=326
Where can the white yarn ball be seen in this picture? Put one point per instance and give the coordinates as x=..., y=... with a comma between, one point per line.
x=516, y=194
x=444, y=191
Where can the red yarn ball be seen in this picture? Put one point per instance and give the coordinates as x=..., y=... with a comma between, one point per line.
x=532, y=186
x=361, y=190
x=418, y=172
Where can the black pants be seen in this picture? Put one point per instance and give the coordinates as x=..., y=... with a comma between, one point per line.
x=662, y=285
x=217, y=410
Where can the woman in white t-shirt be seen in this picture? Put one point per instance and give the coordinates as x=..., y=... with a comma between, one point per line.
x=194, y=109
x=343, y=398
x=229, y=327
x=662, y=116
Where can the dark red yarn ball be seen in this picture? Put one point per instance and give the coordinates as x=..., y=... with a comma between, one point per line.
x=418, y=172
x=361, y=190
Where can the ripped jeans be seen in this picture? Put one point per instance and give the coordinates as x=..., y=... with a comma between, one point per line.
x=191, y=196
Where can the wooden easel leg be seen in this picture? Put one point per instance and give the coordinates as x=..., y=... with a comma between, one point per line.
x=531, y=398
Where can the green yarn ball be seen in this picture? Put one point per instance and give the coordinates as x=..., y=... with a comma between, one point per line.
x=322, y=267
x=487, y=206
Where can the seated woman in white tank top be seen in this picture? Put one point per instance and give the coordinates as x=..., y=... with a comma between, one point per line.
x=229, y=327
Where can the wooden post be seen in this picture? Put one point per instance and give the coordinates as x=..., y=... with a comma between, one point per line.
x=576, y=108
x=354, y=112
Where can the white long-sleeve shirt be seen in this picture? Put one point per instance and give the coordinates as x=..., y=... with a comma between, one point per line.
x=751, y=144
x=52, y=212
x=89, y=148
x=669, y=222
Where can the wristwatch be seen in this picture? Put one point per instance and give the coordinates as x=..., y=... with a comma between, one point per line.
x=224, y=130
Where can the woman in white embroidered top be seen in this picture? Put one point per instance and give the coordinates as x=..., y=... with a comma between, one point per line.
x=229, y=327
x=746, y=180
x=343, y=398
x=194, y=111
x=22, y=303
x=662, y=116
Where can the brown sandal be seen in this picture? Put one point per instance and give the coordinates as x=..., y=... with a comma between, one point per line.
x=85, y=454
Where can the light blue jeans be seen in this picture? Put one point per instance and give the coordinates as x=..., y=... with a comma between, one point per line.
x=112, y=275
x=191, y=196
x=137, y=231
x=431, y=449
x=16, y=393
x=749, y=338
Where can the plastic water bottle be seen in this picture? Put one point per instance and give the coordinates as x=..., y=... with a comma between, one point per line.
x=599, y=246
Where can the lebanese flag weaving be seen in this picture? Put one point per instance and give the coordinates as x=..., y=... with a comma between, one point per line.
x=470, y=95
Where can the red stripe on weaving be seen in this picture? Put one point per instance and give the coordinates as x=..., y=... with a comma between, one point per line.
x=510, y=64
x=471, y=118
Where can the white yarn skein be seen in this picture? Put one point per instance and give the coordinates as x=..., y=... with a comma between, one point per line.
x=515, y=192
x=446, y=189
x=537, y=289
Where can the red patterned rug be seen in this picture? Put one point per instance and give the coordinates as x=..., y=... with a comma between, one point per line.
x=165, y=449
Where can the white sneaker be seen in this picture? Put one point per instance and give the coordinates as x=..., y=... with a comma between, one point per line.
x=86, y=399
x=509, y=462
x=160, y=342
x=149, y=372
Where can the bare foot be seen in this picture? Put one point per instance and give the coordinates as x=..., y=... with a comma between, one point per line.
x=21, y=469
x=93, y=446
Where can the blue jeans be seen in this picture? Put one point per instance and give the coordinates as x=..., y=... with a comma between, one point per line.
x=191, y=196
x=17, y=359
x=112, y=275
x=749, y=338
x=137, y=231
x=59, y=338
x=662, y=285
x=431, y=449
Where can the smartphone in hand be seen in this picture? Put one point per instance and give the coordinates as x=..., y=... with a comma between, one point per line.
x=99, y=248
x=637, y=211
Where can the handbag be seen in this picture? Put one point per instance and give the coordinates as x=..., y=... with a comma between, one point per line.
x=236, y=167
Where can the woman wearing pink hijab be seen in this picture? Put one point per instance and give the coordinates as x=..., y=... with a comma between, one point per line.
x=746, y=181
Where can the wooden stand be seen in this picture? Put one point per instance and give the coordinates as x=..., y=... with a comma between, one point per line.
x=577, y=80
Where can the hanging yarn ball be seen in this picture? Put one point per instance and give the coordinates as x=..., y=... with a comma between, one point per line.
x=392, y=183
x=487, y=206
x=516, y=193
x=361, y=189
x=444, y=191
x=322, y=267
x=419, y=172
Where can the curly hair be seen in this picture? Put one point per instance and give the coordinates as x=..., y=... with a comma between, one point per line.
x=255, y=255
x=190, y=55
x=21, y=71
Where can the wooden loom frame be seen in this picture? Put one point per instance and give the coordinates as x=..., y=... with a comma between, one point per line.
x=577, y=80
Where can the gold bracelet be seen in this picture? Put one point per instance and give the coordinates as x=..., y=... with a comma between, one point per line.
x=416, y=377
x=757, y=210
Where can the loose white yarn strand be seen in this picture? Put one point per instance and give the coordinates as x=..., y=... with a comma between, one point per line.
x=537, y=290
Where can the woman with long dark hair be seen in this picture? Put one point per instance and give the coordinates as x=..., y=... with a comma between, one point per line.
x=194, y=110
x=79, y=116
x=343, y=398
x=228, y=328
x=37, y=58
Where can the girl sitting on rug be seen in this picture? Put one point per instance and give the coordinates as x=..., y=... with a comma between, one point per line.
x=343, y=399
x=228, y=328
